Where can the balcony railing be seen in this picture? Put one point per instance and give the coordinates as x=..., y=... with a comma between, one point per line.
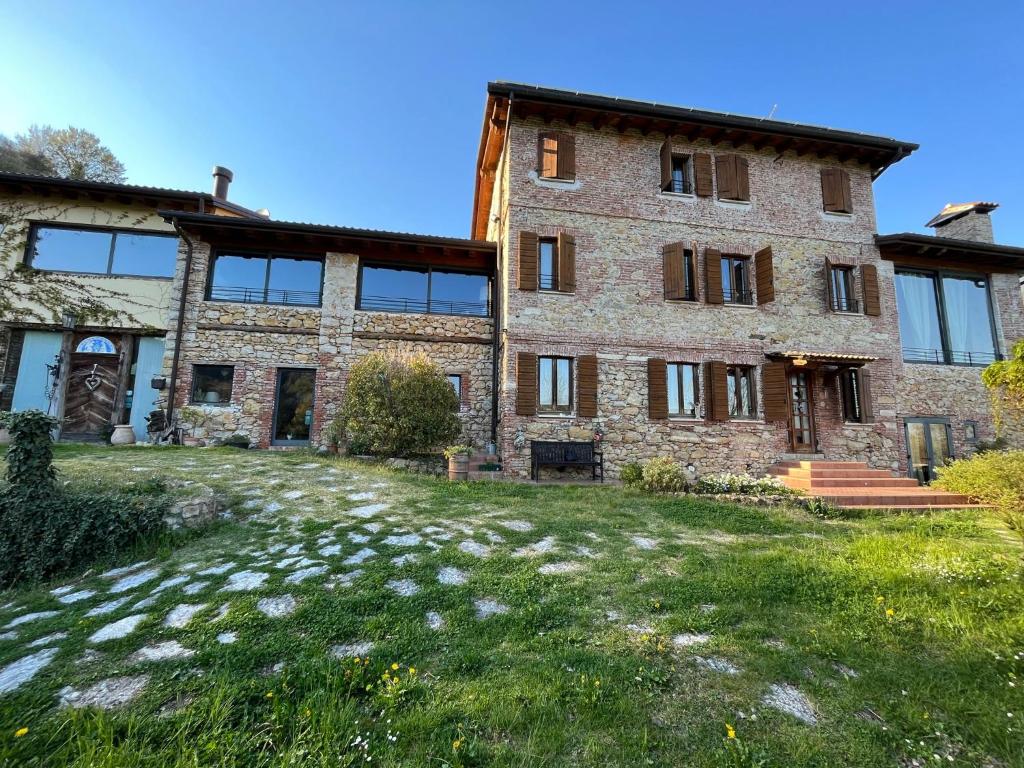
x=845, y=304
x=742, y=296
x=680, y=187
x=264, y=296
x=948, y=357
x=430, y=307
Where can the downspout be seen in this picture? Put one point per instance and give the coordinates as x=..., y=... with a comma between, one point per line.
x=172, y=386
x=496, y=291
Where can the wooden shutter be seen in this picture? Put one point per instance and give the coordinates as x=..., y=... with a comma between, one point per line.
x=657, y=388
x=692, y=266
x=764, y=274
x=713, y=275
x=742, y=177
x=716, y=390
x=869, y=284
x=835, y=190
x=528, y=257
x=566, y=262
x=541, y=137
x=566, y=156
x=586, y=386
x=526, y=384
x=867, y=412
x=776, y=392
x=666, y=165
x=725, y=171
x=844, y=189
x=674, y=264
x=702, y=174
x=830, y=288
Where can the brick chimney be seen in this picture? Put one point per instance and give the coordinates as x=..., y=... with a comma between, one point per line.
x=965, y=221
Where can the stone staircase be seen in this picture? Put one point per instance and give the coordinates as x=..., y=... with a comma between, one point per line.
x=853, y=485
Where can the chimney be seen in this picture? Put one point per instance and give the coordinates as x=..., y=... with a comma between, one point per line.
x=965, y=221
x=222, y=178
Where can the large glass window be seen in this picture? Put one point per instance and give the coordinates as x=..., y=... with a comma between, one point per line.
x=740, y=381
x=945, y=318
x=555, y=379
x=682, y=390
x=211, y=384
x=102, y=251
x=424, y=289
x=266, y=279
x=736, y=280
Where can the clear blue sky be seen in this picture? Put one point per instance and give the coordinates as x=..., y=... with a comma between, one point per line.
x=368, y=114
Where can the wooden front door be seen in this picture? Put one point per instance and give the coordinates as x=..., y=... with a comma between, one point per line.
x=92, y=388
x=801, y=412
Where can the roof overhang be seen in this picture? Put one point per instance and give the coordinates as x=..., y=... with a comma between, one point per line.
x=815, y=359
x=268, y=234
x=914, y=250
x=523, y=101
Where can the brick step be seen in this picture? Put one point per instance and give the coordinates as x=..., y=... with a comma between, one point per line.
x=915, y=507
x=833, y=473
x=822, y=483
x=893, y=497
x=823, y=464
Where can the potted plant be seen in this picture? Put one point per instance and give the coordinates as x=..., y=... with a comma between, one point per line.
x=458, y=461
x=195, y=419
x=333, y=436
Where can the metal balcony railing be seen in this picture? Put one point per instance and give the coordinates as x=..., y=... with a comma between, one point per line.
x=430, y=306
x=948, y=357
x=741, y=296
x=264, y=296
x=845, y=304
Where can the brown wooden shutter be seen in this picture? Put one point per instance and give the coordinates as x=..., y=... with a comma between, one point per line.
x=702, y=174
x=566, y=262
x=725, y=171
x=540, y=152
x=586, y=386
x=830, y=288
x=673, y=261
x=764, y=274
x=716, y=390
x=567, y=156
x=666, y=165
x=844, y=190
x=831, y=200
x=526, y=384
x=528, y=258
x=869, y=284
x=776, y=392
x=867, y=409
x=692, y=266
x=657, y=388
x=742, y=177
x=713, y=275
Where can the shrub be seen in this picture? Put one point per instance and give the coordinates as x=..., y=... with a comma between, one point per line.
x=663, y=475
x=993, y=477
x=729, y=482
x=632, y=474
x=398, y=407
x=30, y=455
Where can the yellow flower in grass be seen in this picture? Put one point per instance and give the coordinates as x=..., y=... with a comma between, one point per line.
x=412, y=670
x=270, y=694
x=730, y=732
x=890, y=612
x=395, y=665
x=879, y=599
x=20, y=732
x=457, y=744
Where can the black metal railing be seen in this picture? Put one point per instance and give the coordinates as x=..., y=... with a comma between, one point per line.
x=429, y=307
x=680, y=187
x=741, y=296
x=948, y=357
x=264, y=296
x=845, y=304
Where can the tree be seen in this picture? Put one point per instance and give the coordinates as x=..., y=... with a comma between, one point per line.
x=72, y=153
x=14, y=159
x=1005, y=380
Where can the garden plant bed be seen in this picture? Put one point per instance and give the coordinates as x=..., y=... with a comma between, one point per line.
x=547, y=625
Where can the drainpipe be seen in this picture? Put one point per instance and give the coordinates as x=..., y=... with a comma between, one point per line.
x=172, y=386
x=496, y=291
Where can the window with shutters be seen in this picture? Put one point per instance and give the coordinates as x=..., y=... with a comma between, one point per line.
x=740, y=385
x=683, y=390
x=852, y=396
x=548, y=264
x=733, y=178
x=835, y=191
x=736, y=279
x=554, y=384
x=841, y=293
x=548, y=157
x=681, y=182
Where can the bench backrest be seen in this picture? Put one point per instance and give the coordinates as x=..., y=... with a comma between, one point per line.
x=552, y=452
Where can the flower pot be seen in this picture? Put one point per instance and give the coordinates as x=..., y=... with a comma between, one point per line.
x=458, y=467
x=123, y=434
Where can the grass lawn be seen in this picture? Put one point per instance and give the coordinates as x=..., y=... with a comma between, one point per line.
x=354, y=616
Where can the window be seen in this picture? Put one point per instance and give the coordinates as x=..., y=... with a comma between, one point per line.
x=548, y=264
x=211, y=384
x=102, y=252
x=740, y=382
x=266, y=279
x=736, y=280
x=455, y=380
x=555, y=384
x=971, y=432
x=424, y=289
x=682, y=175
x=851, y=395
x=682, y=390
x=945, y=318
x=548, y=157
x=841, y=289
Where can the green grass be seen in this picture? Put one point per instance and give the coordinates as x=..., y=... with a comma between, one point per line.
x=785, y=597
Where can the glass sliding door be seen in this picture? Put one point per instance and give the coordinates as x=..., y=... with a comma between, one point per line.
x=293, y=407
x=929, y=445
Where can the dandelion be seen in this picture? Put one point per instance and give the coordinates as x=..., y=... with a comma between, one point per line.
x=357, y=659
x=890, y=612
x=412, y=670
x=394, y=666
x=730, y=732
x=270, y=694
x=457, y=744
x=20, y=732
x=879, y=599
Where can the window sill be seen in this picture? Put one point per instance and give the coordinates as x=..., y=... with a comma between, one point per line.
x=204, y=404
x=682, y=301
x=317, y=307
x=555, y=292
x=846, y=313
x=677, y=195
x=736, y=205
x=115, y=275
x=738, y=305
x=551, y=183
x=556, y=415
x=837, y=216
x=685, y=420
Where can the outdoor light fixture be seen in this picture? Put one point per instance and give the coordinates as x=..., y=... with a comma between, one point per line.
x=69, y=320
x=800, y=361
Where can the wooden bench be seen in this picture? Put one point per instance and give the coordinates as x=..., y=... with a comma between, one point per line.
x=545, y=453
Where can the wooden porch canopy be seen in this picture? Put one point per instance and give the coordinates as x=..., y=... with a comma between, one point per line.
x=819, y=359
x=296, y=237
x=572, y=108
x=914, y=250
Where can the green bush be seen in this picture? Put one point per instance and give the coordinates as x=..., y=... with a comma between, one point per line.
x=632, y=474
x=993, y=477
x=30, y=454
x=398, y=407
x=729, y=482
x=663, y=475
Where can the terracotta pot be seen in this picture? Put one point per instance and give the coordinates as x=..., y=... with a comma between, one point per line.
x=458, y=467
x=123, y=435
